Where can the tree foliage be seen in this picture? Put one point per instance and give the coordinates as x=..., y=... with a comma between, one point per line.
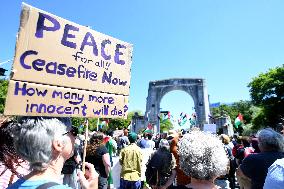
x=113, y=124
x=119, y=123
x=132, y=113
x=165, y=125
x=77, y=121
x=267, y=92
x=243, y=107
x=3, y=94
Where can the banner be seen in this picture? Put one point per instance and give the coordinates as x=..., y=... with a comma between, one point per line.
x=211, y=128
x=57, y=57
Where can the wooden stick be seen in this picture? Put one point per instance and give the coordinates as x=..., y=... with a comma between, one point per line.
x=98, y=121
x=85, y=143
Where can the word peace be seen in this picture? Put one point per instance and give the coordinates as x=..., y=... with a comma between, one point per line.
x=47, y=23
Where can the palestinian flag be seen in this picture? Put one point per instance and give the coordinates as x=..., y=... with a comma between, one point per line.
x=149, y=128
x=238, y=120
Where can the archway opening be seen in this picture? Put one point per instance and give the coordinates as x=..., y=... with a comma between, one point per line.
x=181, y=107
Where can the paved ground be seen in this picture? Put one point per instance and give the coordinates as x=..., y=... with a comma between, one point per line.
x=116, y=172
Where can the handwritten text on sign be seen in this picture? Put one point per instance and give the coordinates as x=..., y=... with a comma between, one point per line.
x=36, y=99
x=52, y=50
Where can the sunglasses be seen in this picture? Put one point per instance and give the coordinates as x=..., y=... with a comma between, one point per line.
x=74, y=131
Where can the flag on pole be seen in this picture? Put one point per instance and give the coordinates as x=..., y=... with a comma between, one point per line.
x=238, y=120
x=169, y=115
x=183, y=118
x=149, y=128
x=104, y=123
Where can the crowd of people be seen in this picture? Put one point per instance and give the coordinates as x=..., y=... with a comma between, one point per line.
x=47, y=152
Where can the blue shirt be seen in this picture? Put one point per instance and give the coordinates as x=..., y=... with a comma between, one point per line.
x=33, y=184
x=275, y=175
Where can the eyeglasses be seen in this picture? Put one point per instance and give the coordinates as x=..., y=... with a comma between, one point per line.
x=74, y=131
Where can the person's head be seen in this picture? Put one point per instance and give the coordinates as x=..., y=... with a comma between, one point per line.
x=125, y=132
x=245, y=140
x=202, y=155
x=164, y=135
x=110, y=133
x=145, y=135
x=270, y=140
x=132, y=137
x=96, y=140
x=164, y=145
x=43, y=141
x=149, y=136
x=225, y=138
x=8, y=155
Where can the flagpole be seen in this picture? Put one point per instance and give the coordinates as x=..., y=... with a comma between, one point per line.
x=98, y=121
x=85, y=144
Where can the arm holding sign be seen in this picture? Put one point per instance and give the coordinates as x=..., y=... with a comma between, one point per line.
x=90, y=179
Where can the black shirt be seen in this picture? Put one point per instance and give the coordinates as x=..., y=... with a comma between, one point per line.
x=255, y=166
x=70, y=164
x=97, y=160
x=180, y=187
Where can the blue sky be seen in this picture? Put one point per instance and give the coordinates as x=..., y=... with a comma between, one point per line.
x=225, y=42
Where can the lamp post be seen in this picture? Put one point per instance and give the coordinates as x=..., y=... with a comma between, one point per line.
x=3, y=70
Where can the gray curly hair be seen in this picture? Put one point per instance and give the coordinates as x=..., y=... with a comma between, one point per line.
x=270, y=140
x=202, y=155
x=33, y=138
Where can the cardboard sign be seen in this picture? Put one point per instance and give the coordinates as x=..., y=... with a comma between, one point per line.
x=36, y=99
x=52, y=50
x=64, y=69
x=211, y=128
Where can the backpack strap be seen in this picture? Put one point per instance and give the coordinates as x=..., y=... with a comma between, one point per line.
x=47, y=185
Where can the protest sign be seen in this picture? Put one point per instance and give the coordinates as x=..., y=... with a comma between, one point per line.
x=38, y=99
x=60, y=59
x=211, y=128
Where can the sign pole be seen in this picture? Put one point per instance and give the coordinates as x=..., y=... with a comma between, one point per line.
x=98, y=121
x=85, y=143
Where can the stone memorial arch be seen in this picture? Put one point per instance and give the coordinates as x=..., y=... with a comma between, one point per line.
x=195, y=87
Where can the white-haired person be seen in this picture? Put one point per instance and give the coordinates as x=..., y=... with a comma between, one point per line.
x=46, y=143
x=203, y=157
x=255, y=166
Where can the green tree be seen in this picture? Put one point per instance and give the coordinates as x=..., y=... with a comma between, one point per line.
x=119, y=123
x=223, y=110
x=267, y=92
x=243, y=107
x=3, y=94
x=77, y=121
x=165, y=124
x=131, y=113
